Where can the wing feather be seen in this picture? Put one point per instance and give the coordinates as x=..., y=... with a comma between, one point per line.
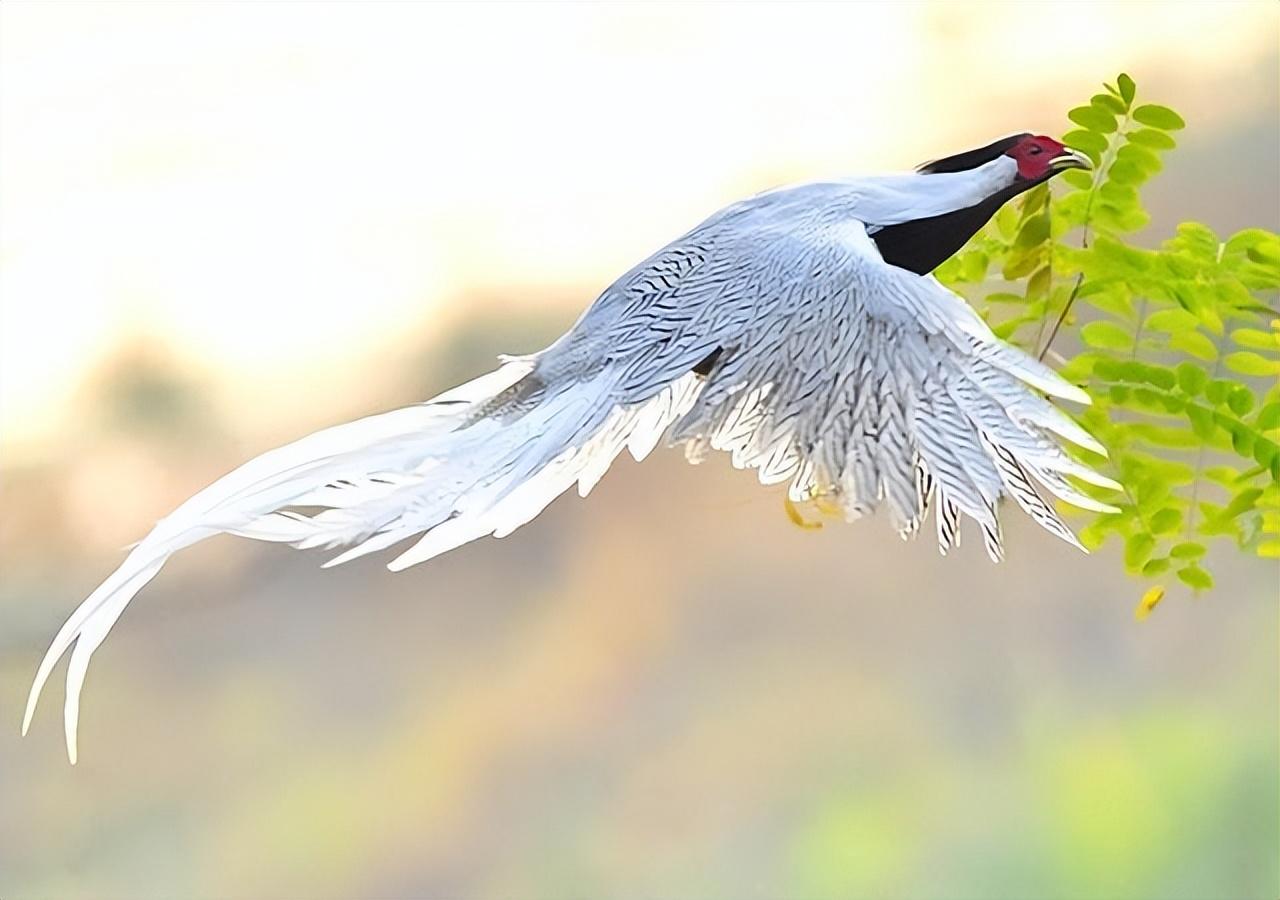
x=841, y=374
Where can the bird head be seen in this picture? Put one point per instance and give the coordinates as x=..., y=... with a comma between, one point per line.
x=921, y=244
x=1040, y=157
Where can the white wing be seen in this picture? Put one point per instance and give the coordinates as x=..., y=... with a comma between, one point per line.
x=832, y=369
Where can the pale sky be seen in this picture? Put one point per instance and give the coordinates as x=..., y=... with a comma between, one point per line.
x=280, y=191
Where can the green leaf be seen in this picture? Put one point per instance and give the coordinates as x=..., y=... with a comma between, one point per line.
x=1266, y=452
x=1092, y=535
x=1124, y=219
x=1191, y=378
x=1157, y=116
x=1005, y=330
x=1039, y=282
x=1127, y=172
x=1207, y=313
x=1187, y=550
x=1137, y=549
x=1006, y=297
x=1248, y=363
x=1007, y=221
x=1150, y=137
x=1219, y=389
x=1077, y=178
x=1196, y=578
x=1034, y=200
x=1257, y=339
x=1242, y=440
x=1157, y=375
x=1166, y=521
x=1240, y=401
x=1172, y=320
x=1197, y=238
x=1196, y=344
x=1120, y=258
x=1155, y=567
x=1159, y=436
x=1269, y=417
x=1202, y=422
x=1093, y=119
x=1112, y=297
x=973, y=265
x=1034, y=231
x=1140, y=156
x=1241, y=503
x=1106, y=336
x=1108, y=103
x=1092, y=144
x=1118, y=195
x=1127, y=88
x=1223, y=475
x=1249, y=238
x=1148, y=400
x=1023, y=263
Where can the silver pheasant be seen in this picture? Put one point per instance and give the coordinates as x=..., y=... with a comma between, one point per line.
x=798, y=330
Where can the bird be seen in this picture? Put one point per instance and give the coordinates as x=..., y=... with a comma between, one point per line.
x=800, y=330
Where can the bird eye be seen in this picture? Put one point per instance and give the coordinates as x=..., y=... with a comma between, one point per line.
x=1035, y=150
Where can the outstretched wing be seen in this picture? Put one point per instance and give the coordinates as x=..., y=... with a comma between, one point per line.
x=825, y=366
x=773, y=331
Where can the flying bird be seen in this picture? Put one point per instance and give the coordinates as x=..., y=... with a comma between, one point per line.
x=800, y=331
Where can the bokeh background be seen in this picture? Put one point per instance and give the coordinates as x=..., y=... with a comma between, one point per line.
x=225, y=225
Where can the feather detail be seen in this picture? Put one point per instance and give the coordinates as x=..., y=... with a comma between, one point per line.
x=453, y=468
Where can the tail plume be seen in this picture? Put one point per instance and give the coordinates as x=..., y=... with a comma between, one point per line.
x=479, y=460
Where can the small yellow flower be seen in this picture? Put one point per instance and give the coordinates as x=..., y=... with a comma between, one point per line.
x=1148, y=602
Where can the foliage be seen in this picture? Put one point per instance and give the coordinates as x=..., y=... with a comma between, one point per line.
x=1179, y=347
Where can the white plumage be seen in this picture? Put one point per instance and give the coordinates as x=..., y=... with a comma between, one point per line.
x=773, y=331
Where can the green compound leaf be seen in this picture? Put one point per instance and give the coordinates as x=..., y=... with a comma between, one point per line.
x=1178, y=347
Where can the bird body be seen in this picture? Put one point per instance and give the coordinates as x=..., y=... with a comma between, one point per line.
x=797, y=331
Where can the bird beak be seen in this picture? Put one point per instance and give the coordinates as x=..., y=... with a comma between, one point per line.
x=1071, y=159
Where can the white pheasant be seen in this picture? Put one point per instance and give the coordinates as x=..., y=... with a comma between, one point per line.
x=798, y=330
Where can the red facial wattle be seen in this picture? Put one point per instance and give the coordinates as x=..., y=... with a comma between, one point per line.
x=1038, y=157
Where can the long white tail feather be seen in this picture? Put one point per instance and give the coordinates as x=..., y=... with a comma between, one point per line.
x=445, y=471
x=437, y=467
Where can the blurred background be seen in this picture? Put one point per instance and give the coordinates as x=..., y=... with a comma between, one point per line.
x=222, y=226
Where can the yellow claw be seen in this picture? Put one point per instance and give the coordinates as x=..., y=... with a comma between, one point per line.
x=1149, y=601
x=819, y=502
x=793, y=513
x=827, y=507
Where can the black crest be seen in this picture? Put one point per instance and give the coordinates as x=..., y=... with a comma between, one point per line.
x=971, y=159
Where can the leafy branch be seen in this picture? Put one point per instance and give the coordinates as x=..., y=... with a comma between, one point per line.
x=1179, y=346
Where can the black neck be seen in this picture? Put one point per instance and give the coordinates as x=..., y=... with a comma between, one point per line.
x=922, y=245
